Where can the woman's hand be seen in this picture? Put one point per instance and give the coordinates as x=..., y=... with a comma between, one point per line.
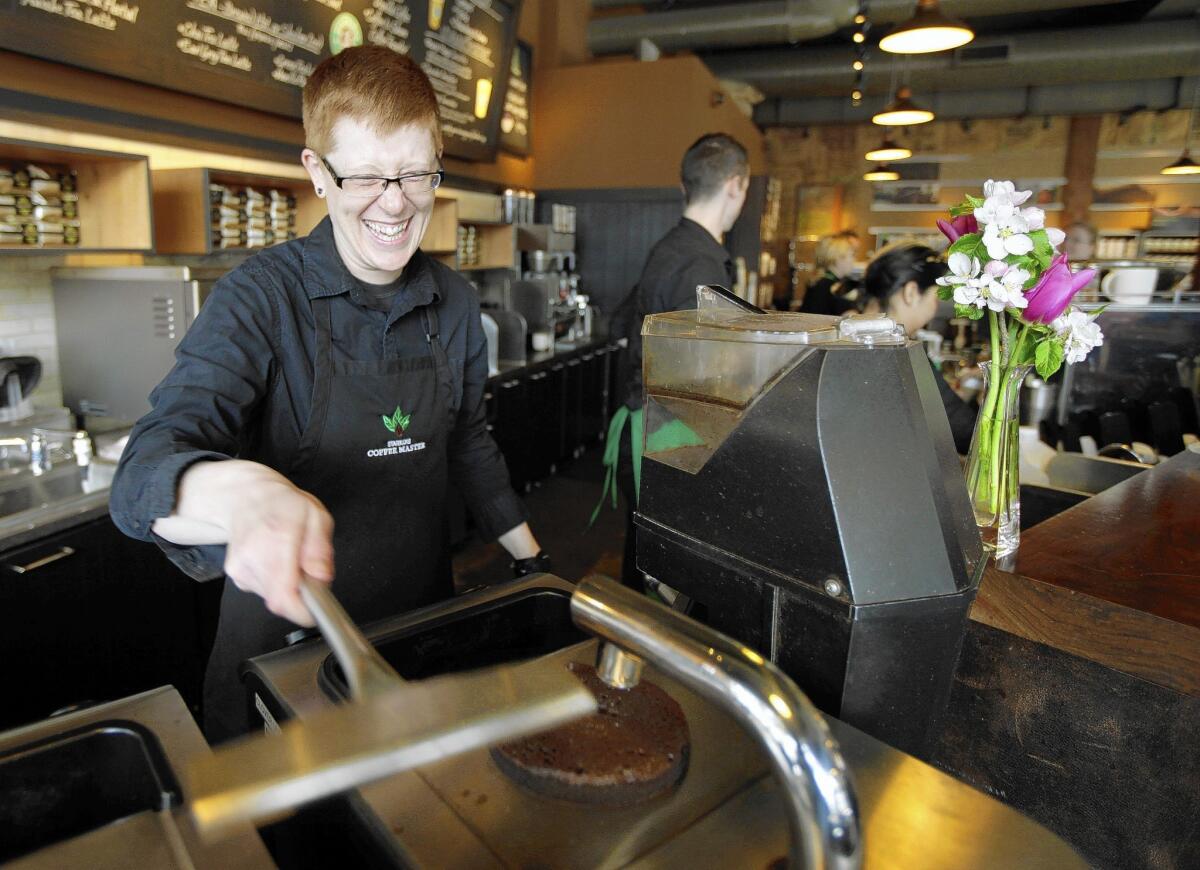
x=276, y=533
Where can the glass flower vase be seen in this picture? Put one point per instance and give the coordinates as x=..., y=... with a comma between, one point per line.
x=993, y=478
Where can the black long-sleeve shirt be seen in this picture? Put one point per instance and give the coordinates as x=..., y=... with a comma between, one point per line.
x=242, y=383
x=686, y=256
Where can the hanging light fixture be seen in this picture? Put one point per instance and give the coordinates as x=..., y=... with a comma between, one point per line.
x=1185, y=165
x=881, y=172
x=927, y=31
x=902, y=111
x=888, y=151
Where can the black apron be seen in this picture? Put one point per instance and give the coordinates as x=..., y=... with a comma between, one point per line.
x=374, y=453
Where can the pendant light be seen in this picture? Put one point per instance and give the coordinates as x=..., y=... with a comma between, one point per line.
x=902, y=111
x=881, y=172
x=1185, y=165
x=927, y=31
x=888, y=151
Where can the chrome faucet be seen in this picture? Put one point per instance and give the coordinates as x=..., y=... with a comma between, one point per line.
x=38, y=445
x=822, y=808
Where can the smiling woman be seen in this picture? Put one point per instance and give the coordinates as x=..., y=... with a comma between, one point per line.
x=327, y=393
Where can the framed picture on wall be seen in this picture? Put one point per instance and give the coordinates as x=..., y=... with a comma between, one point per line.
x=818, y=210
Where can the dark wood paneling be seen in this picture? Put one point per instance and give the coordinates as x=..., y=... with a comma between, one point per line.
x=1107, y=761
x=615, y=230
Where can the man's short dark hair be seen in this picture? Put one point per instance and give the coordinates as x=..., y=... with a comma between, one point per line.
x=712, y=159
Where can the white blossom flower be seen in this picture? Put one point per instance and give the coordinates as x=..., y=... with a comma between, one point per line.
x=1079, y=334
x=1002, y=238
x=962, y=270
x=1034, y=218
x=969, y=294
x=1056, y=236
x=1003, y=289
x=1005, y=190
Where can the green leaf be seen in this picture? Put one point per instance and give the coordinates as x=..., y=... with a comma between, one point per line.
x=404, y=421
x=1043, y=251
x=975, y=201
x=1048, y=357
x=968, y=311
x=970, y=244
x=945, y=293
x=387, y=421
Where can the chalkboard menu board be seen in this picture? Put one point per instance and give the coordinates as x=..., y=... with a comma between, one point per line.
x=515, y=120
x=258, y=53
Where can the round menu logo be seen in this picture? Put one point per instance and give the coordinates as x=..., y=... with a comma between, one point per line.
x=344, y=32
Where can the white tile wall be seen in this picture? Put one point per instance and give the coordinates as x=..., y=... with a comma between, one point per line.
x=27, y=318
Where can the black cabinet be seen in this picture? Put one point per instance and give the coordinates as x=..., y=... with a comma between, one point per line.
x=89, y=615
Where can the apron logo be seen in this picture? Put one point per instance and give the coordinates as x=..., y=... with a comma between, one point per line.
x=397, y=423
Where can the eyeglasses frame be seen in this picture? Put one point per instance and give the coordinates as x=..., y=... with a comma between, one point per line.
x=398, y=179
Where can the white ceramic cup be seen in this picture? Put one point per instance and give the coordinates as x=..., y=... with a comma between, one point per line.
x=1130, y=286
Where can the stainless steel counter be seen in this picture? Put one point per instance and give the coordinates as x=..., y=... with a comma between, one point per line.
x=84, y=499
x=727, y=812
x=163, y=837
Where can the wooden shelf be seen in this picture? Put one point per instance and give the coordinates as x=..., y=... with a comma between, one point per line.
x=496, y=245
x=114, y=196
x=441, y=236
x=181, y=202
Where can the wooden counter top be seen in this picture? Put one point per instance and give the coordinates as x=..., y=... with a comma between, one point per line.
x=1115, y=579
x=1136, y=544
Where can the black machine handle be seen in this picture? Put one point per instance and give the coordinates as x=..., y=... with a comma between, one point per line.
x=61, y=553
x=733, y=299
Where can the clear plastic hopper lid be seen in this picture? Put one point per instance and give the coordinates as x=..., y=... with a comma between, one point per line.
x=703, y=368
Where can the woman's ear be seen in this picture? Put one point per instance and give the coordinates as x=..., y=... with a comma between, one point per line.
x=312, y=163
x=910, y=293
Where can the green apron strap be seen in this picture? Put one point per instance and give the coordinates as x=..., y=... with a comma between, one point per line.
x=612, y=452
x=636, y=427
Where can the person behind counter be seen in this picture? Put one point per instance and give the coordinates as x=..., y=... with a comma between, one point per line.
x=900, y=282
x=834, y=259
x=325, y=394
x=714, y=176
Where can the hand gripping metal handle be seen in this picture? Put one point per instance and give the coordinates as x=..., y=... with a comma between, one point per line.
x=822, y=808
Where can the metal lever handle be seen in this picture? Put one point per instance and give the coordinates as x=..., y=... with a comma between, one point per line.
x=366, y=671
x=62, y=553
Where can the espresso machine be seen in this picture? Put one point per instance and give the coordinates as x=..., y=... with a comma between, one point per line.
x=547, y=296
x=800, y=487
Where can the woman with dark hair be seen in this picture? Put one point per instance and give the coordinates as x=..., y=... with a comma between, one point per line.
x=900, y=282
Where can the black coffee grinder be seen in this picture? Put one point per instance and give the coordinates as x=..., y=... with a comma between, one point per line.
x=800, y=484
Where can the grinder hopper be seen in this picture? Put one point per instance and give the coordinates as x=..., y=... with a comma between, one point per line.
x=800, y=485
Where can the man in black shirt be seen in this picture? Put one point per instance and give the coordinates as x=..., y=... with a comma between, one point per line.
x=714, y=175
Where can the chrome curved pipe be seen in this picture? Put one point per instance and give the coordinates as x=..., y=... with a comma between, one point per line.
x=822, y=808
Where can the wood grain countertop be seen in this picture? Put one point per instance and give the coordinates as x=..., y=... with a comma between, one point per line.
x=1115, y=579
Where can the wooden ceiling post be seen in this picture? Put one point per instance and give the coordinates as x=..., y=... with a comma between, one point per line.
x=1083, y=143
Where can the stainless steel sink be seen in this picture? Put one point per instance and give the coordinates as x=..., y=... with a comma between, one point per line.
x=78, y=782
x=22, y=490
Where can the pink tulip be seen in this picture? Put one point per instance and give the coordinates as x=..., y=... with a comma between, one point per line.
x=960, y=226
x=1054, y=291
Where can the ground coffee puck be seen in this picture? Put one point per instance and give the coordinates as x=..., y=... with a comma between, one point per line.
x=633, y=749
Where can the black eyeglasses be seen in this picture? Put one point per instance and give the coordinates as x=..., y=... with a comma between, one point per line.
x=375, y=185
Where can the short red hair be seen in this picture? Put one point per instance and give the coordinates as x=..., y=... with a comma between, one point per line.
x=374, y=85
